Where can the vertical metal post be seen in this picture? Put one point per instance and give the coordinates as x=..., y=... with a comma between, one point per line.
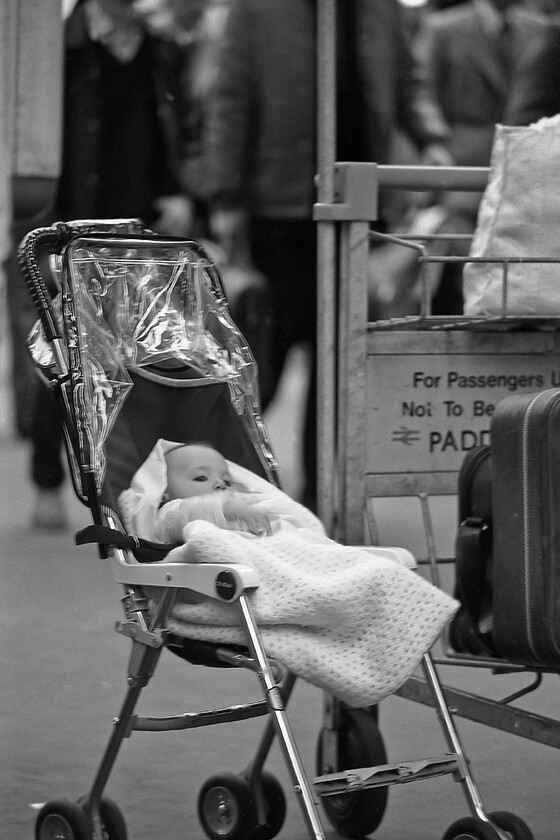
x=352, y=382
x=326, y=263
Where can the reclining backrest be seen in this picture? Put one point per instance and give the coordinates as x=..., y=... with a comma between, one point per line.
x=162, y=406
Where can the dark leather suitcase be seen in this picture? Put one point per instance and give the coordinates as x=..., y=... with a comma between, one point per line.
x=525, y=440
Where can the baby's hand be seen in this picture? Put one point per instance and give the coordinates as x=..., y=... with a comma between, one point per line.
x=254, y=520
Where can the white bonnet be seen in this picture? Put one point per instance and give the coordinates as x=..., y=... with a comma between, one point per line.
x=139, y=504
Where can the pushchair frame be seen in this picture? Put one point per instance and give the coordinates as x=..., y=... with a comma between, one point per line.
x=148, y=634
x=229, y=805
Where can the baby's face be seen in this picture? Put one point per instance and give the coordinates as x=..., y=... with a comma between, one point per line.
x=196, y=470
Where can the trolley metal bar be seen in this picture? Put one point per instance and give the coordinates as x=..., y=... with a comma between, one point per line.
x=491, y=713
x=326, y=269
x=421, y=178
x=356, y=185
x=352, y=383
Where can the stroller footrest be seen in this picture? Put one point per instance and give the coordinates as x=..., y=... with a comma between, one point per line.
x=350, y=781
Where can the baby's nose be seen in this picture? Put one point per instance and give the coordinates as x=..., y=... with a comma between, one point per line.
x=219, y=484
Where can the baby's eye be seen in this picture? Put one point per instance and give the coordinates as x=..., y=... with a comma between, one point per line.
x=228, y=482
x=200, y=478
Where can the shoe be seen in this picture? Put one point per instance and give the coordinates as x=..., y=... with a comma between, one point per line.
x=48, y=512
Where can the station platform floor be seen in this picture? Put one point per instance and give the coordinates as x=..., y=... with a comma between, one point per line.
x=63, y=671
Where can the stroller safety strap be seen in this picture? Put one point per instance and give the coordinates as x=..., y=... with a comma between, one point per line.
x=144, y=551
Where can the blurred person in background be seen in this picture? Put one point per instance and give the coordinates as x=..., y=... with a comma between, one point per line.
x=469, y=52
x=123, y=143
x=535, y=90
x=260, y=145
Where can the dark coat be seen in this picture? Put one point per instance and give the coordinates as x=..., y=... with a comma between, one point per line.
x=123, y=130
x=535, y=90
x=260, y=125
x=469, y=80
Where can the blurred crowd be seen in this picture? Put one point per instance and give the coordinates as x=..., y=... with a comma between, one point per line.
x=199, y=117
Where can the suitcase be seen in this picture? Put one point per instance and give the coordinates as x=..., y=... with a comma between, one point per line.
x=525, y=440
x=470, y=630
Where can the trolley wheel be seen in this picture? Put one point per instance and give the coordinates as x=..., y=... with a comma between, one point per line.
x=275, y=808
x=361, y=745
x=112, y=820
x=471, y=828
x=226, y=808
x=61, y=819
x=512, y=824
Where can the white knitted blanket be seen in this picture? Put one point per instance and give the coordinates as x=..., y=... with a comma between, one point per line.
x=353, y=620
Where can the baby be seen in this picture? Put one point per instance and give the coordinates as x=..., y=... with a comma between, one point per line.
x=200, y=486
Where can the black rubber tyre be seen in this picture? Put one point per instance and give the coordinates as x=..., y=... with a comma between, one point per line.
x=112, y=820
x=275, y=804
x=62, y=819
x=360, y=813
x=471, y=828
x=226, y=808
x=514, y=825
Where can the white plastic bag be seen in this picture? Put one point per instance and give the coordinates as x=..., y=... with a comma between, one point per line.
x=519, y=216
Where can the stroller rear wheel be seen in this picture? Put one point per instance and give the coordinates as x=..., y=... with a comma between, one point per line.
x=226, y=808
x=473, y=828
x=112, y=820
x=62, y=819
x=275, y=808
x=361, y=745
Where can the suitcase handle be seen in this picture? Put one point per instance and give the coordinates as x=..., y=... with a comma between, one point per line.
x=473, y=558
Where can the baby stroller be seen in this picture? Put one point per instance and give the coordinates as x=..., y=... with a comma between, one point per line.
x=137, y=344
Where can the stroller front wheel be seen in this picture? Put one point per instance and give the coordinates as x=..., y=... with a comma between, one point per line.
x=62, y=819
x=275, y=808
x=514, y=825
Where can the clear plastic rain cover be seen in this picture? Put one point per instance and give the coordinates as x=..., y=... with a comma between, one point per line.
x=135, y=302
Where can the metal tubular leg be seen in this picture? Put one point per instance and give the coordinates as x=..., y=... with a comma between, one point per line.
x=470, y=788
x=267, y=737
x=254, y=770
x=281, y=724
x=120, y=732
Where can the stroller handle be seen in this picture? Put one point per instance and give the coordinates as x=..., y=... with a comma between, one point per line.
x=28, y=260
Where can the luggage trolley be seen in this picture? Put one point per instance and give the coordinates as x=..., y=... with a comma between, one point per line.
x=403, y=421
x=365, y=445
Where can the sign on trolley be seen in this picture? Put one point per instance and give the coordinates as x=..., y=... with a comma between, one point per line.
x=431, y=396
